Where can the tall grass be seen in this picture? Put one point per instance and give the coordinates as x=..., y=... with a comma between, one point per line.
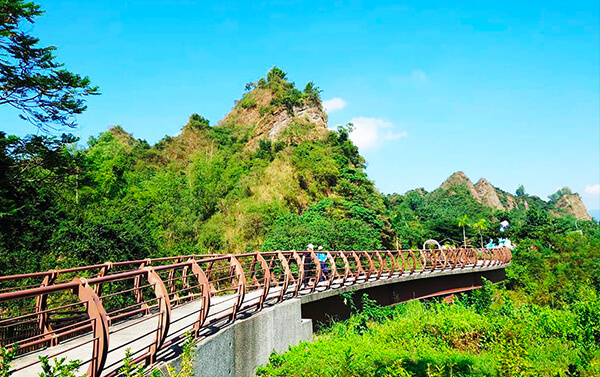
x=481, y=335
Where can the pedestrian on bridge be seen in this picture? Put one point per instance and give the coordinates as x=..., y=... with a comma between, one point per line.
x=308, y=264
x=323, y=258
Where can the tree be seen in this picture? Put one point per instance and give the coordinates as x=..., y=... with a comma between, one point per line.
x=463, y=221
x=559, y=194
x=276, y=74
x=312, y=93
x=481, y=226
x=520, y=190
x=31, y=81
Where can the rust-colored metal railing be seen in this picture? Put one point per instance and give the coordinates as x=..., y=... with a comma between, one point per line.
x=137, y=302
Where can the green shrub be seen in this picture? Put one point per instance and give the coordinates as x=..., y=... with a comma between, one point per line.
x=247, y=102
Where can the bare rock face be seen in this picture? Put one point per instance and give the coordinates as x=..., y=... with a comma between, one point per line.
x=487, y=195
x=310, y=114
x=511, y=202
x=269, y=122
x=482, y=191
x=493, y=197
x=572, y=205
x=458, y=179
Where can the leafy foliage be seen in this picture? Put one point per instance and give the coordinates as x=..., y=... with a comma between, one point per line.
x=187, y=359
x=477, y=336
x=61, y=367
x=7, y=355
x=31, y=80
x=544, y=320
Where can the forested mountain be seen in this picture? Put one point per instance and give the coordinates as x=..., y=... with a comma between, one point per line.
x=269, y=176
x=418, y=215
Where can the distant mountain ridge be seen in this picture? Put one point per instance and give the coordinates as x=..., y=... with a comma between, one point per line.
x=490, y=196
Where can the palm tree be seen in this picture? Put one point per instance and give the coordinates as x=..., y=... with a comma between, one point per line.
x=480, y=226
x=462, y=222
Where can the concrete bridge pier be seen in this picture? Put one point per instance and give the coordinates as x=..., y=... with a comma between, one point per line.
x=238, y=349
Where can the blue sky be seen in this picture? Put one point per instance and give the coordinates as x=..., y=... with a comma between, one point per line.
x=507, y=90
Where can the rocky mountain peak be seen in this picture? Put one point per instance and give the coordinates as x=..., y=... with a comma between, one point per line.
x=572, y=205
x=458, y=179
x=482, y=191
x=273, y=107
x=487, y=195
x=566, y=203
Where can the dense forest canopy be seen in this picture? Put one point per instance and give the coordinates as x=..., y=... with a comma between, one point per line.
x=31, y=79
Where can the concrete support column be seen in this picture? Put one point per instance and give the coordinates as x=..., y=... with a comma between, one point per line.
x=238, y=349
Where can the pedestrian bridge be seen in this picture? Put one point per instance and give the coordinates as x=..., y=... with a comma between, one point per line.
x=95, y=313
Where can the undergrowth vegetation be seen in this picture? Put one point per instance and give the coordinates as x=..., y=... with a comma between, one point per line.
x=544, y=320
x=486, y=335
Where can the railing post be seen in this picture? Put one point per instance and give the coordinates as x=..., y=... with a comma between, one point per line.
x=444, y=256
x=164, y=304
x=381, y=266
x=99, y=320
x=318, y=271
x=287, y=273
x=413, y=257
x=371, y=265
x=422, y=260
x=346, y=267
x=139, y=296
x=403, y=267
x=41, y=305
x=394, y=267
x=203, y=282
x=301, y=272
x=333, y=271
x=267, y=280
x=103, y=271
x=241, y=285
x=359, y=269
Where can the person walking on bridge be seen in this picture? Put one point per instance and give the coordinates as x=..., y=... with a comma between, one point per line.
x=323, y=258
x=307, y=262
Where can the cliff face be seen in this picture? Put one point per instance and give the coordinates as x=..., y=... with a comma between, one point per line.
x=268, y=122
x=572, y=205
x=487, y=195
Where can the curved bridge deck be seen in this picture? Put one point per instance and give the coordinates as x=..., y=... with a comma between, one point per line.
x=95, y=313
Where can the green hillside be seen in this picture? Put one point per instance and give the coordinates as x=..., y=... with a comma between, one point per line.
x=419, y=215
x=269, y=176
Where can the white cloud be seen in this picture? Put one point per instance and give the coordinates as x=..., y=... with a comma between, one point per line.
x=334, y=104
x=592, y=190
x=371, y=132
